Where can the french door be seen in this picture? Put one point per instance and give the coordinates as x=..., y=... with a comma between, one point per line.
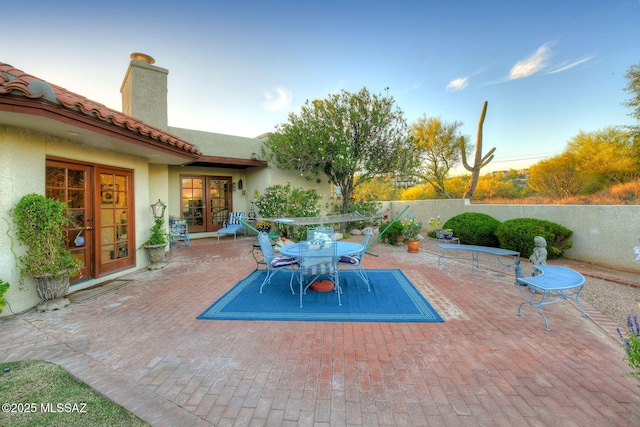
x=205, y=201
x=100, y=201
x=70, y=184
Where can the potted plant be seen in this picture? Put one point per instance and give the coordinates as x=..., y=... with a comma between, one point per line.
x=392, y=233
x=411, y=232
x=436, y=225
x=41, y=226
x=155, y=245
x=263, y=226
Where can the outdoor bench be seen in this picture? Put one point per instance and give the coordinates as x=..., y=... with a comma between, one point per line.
x=501, y=255
x=553, y=285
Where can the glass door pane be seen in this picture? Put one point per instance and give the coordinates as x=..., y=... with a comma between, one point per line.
x=219, y=202
x=69, y=184
x=115, y=237
x=192, y=202
x=205, y=201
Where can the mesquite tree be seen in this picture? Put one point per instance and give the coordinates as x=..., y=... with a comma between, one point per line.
x=348, y=137
x=438, y=144
x=479, y=161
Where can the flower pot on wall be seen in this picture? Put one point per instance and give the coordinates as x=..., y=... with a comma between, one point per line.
x=413, y=246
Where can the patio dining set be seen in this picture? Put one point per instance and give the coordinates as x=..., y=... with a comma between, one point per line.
x=318, y=257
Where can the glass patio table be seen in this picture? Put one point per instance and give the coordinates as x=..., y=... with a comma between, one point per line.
x=342, y=249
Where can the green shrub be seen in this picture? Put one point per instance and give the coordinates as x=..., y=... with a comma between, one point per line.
x=473, y=228
x=517, y=235
x=283, y=201
x=631, y=344
x=364, y=207
x=390, y=236
x=4, y=287
x=40, y=224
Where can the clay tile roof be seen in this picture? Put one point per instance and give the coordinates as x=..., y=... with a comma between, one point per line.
x=14, y=82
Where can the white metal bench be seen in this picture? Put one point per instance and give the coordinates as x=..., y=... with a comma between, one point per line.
x=553, y=285
x=474, y=250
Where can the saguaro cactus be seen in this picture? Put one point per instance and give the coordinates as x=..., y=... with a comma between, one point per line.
x=479, y=161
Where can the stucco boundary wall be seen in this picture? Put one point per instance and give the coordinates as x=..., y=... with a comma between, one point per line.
x=602, y=234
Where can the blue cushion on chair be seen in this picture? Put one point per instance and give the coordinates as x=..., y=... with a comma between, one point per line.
x=281, y=261
x=348, y=259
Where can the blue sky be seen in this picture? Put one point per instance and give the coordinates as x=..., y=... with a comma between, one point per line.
x=548, y=68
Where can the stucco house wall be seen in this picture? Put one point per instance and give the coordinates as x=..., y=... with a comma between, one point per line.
x=23, y=171
x=40, y=121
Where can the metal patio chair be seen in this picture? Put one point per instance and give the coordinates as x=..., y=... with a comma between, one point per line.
x=355, y=261
x=275, y=263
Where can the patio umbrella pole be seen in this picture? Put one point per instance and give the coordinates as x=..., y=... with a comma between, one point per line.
x=383, y=231
x=248, y=226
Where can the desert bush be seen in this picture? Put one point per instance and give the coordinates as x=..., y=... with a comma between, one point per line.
x=390, y=235
x=473, y=228
x=517, y=235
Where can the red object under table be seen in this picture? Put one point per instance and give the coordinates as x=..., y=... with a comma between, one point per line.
x=322, y=286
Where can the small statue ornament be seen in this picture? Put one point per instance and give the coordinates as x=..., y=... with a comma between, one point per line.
x=539, y=255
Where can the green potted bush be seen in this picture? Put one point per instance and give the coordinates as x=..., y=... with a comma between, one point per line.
x=40, y=225
x=393, y=234
x=411, y=232
x=155, y=245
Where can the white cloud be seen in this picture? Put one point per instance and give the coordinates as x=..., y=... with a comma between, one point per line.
x=560, y=68
x=531, y=65
x=458, y=84
x=278, y=99
x=409, y=89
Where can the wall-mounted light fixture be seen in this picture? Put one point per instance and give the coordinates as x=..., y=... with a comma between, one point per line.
x=158, y=209
x=240, y=184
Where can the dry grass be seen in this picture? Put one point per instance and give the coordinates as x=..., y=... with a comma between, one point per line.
x=621, y=194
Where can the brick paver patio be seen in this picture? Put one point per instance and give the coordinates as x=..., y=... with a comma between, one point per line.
x=141, y=345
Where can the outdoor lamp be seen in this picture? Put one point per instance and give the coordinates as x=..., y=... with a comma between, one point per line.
x=158, y=209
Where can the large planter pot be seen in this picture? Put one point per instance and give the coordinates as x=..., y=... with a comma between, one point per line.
x=52, y=290
x=413, y=246
x=155, y=254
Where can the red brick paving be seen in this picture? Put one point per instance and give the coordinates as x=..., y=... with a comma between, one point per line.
x=142, y=346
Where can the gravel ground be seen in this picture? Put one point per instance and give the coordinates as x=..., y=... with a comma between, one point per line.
x=617, y=300
x=612, y=292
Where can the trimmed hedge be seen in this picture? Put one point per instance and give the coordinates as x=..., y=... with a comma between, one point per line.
x=473, y=228
x=517, y=235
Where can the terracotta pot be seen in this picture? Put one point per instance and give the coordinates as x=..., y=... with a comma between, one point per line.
x=413, y=246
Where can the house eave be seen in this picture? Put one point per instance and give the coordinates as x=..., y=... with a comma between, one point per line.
x=49, y=118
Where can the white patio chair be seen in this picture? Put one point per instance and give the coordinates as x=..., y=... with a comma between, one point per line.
x=275, y=263
x=318, y=258
x=355, y=261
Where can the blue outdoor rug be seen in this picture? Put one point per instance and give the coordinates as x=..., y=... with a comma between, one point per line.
x=393, y=298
